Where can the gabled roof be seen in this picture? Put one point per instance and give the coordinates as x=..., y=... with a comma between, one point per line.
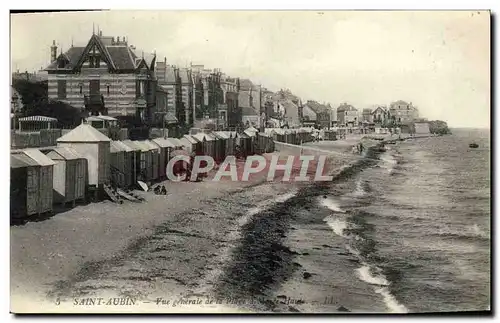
x=201, y=136
x=84, y=133
x=316, y=107
x=176, y=142
x=379, y=108
x=190, y=139
x=289, y=106
x=151, y=144
x=399, y=102
x=65, y=153
x=250, y=133
x=242, y=135
x=119, y=56
x=123, y=57
x=143, y=145
x=73, y=55
x=122, y=145
x=163, y=143
x=21, y=160
x=39, y=157
x=346, y=107
x=252, y=128
x=222, y=134
x=115, y=147
x=132, y=145
x=170, y=117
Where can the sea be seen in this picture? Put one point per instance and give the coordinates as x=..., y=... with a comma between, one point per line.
x=407, y=230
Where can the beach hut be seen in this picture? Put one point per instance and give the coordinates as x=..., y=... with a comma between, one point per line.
x=176, y=143
x=223, y=143
x=70, y=175
x=191, y=144
x=244, y=141
x=146, y=161
x=24, y=173
x=166, y=147
x=251, y=129
x=94, y=146
x=155, y=158
x=253, y=139
x=138, y=166
x=40, y=183
x=117, y=165
x=129, y=163
x=208, y=144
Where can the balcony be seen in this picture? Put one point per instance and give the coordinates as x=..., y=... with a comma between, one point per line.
x=93, y=99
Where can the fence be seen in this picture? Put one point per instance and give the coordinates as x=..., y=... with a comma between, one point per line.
x=42, y=138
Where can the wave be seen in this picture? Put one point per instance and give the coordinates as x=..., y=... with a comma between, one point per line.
x=263, y=206
x=331, y=204
x=284, y=197
x=365, y=273
x=360, y=190
x=338, y=226
x=478, y=231
x=474, y=234
x=388, y=162
x=390, y=301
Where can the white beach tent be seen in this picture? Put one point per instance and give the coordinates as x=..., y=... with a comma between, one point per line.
x=94, y=146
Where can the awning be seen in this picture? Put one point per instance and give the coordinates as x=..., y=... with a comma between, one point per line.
x=38, y=118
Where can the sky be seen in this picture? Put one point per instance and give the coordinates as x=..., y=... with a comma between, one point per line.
x=438, y=60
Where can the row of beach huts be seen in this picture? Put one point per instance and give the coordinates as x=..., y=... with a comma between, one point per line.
x=87, y=164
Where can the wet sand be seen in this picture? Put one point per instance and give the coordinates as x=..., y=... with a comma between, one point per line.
x=169, y=246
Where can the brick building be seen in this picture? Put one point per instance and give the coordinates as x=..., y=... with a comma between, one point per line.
x=347, y=116
x=105, y=76
x=169, y=94
x=402, y=112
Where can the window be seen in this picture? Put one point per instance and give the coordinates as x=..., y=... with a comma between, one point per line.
x=107, y=89
x=81, y=88
x=61, y=63
x=61, y=89
x=91, y=61
x=140, y=88
x=97, y=61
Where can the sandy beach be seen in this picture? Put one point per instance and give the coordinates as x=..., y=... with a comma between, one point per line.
x=165, y=247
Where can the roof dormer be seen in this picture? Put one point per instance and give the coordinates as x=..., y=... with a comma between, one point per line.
x=62, y=61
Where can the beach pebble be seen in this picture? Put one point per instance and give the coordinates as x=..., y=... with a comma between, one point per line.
x=307, y=275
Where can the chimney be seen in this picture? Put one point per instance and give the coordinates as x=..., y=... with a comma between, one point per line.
x=53, y=51
x=118, y=40
x=112, y=40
